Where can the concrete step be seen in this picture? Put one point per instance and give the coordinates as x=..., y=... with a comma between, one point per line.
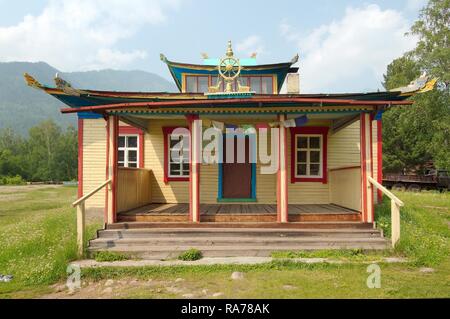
x=230, y=233
x=226, y=241
x=233, y=225
x=164, y=252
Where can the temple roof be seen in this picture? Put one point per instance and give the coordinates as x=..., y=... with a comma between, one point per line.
x=249, y=67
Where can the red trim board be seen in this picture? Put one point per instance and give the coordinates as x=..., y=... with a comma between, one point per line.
x=80, y=157
x=380, y=158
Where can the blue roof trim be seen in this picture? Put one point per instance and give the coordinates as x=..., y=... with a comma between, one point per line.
x=89, y=115
x=177, y=73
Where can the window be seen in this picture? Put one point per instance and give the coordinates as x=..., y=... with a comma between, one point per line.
x=308, y=154
x=128, y=151
x=176, y=155
x=197, y=84
x=130, y=147
x=258, y=84
x=201, y=83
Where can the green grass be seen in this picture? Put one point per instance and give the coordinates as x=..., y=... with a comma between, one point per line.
x=102, y=256
x=37, y=236
x=424, y=226
x=191, y=254
x=282, y=279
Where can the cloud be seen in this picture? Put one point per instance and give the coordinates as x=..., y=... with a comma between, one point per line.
x=251, y=44
x=82, y=34
x=350, y=54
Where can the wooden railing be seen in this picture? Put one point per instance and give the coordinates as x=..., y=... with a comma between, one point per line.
x=345, y=186
x=395, y=211
x=81, y=216
x=133, y=188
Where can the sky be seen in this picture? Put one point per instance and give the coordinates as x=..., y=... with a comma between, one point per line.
x=344, y=46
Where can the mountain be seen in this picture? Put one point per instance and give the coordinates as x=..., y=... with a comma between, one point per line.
x=22, y=107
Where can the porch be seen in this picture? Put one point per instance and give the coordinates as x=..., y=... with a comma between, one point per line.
x=264, y=213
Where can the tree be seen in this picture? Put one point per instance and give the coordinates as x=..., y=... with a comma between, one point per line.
x=433, y=48
x=413, y=135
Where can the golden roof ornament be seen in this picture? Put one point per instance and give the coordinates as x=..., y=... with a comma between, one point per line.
x=229, y=68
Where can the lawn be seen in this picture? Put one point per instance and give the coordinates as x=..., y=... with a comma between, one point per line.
x=37, y=237
x=37, y=240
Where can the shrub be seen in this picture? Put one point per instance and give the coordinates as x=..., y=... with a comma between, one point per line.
x=110, y=256
x=191, y=254
x=12, y=180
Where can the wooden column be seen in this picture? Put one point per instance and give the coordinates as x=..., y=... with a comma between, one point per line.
x=195, y=130
x=112, y=127
x=366, y=167
x=282, y=178
x=379, y=157
x=80, y=157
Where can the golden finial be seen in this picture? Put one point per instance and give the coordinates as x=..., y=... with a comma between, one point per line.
x=229, y=50
x=32, y=81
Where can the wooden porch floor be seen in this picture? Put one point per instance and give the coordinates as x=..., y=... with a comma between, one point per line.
x=239, y=213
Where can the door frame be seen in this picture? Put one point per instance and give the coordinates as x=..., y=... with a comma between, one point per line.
x=252, y=141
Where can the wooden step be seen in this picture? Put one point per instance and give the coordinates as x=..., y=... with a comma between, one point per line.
x=295, y=225
x=227, y=218
x=234, y=232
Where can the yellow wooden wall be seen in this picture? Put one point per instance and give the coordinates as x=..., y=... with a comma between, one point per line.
x=94, y=160
x=172, y=192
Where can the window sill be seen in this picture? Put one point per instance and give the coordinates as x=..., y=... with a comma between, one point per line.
x=308, y=180
x=176, y=179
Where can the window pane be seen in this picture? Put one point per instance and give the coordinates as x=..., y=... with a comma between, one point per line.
x=314, y=169
x=301, y=169
x=121, y=141
x=132, y=165
x=314, y=157
x=174, y=169
x=185, y=168
x=132, y=156
x=302, y=142
x=301, y=156
x=202, y=84
x=191, y=84
x=132, y=141
x=314, y=142
x=121, y=156
x=255, y=84
x=267, y=87
x=121, y=164
x=244, y=80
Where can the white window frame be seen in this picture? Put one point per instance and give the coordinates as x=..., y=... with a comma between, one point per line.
x=308, y=150
x=169, y=160
x=125, y=150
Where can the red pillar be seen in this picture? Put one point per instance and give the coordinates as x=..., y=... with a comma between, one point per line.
x=379, y=158
x=282, y=179
x=80, y=157
x=366, y=167
x=194, y=168
x=112, y=134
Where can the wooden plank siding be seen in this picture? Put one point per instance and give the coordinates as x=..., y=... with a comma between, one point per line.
x=94, y=160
